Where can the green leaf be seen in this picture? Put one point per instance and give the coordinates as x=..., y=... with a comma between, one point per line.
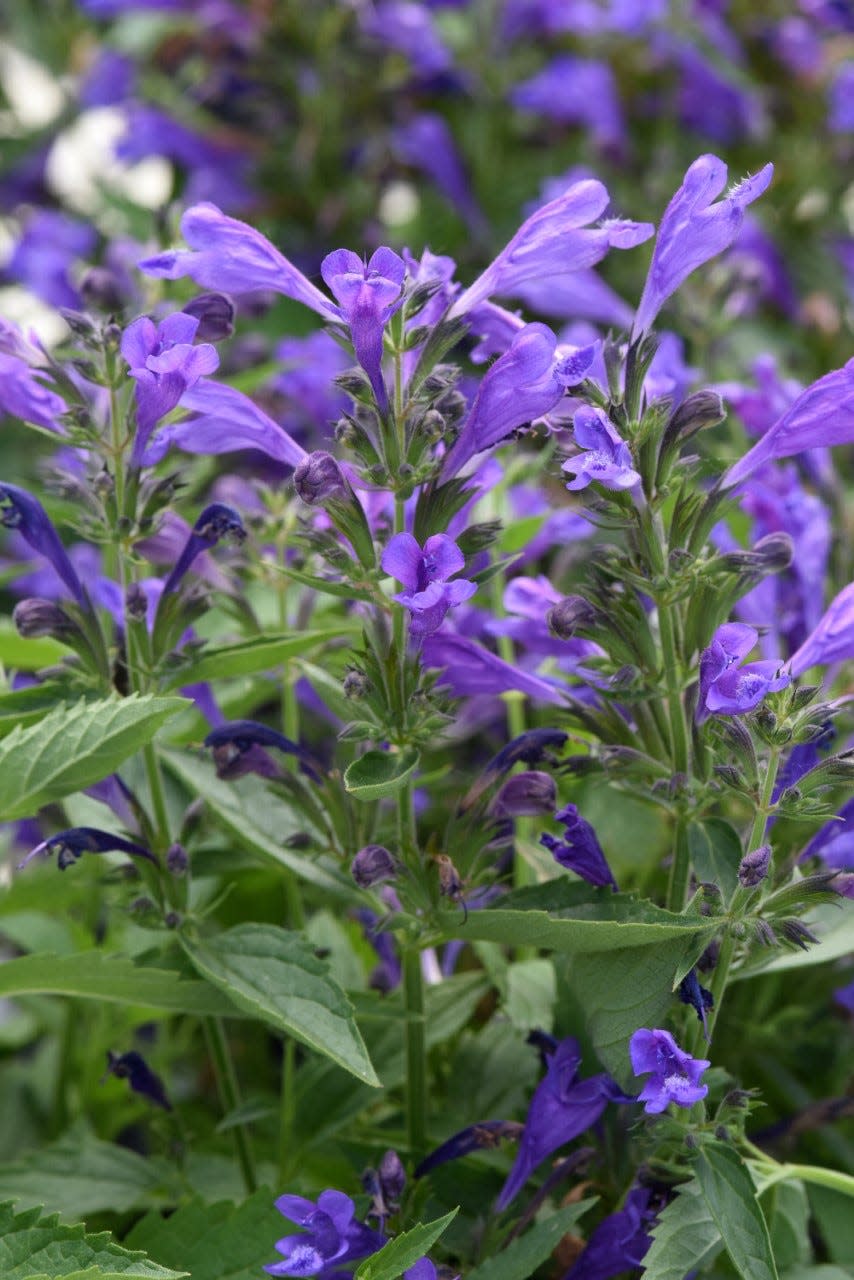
x=258, y=820
x=33, y=1247
x=787, y=1211
x=28, y=654
x=93, y=975
x=276, y=976
x=518, y=534
x=521, y=1258
x=531, y=994
x=833, y=925
x=261, y=653
x=730, y=1198
x=73, y=747
x=80, y=1175
x=395, y=1257
x=684, y=1236
x=610, y=920
x=832, y=1212
x=380, y=773
x=628, y=988
x=216, y=1242
x=22, y=707
x=716, y=852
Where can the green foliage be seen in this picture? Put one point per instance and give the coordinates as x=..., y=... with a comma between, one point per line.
x=276, y=976
x=521, y=1258
x=33, y=1247
x=380, y=773
x=79, y=1175
x=715, y=853
x=729, y=1197
x=395, y=1257
x=213, y=1241
x=75, y=746
x=248, y=657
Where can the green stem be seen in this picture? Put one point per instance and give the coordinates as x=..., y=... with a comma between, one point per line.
x=416, y=1075
x=229, y=1092
x=287, y=1111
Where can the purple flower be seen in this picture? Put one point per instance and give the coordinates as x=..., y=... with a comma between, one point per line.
x=694, y=229
x=699, y=998
x=42, y=259
x=470, y=669
x=109, y=79
x=232, y=256
x=521, y=386
x=607, y=458
x=409, y=29
x=318, y=478
x=675, y=1074
x=373, y=864
x=834, y=842
x=562, y=1107
x=556, y=238
x=726, y=688
x=841, y=99
x=711, y=104
x=475, y=1137
x=425, y=142
x=822, y=415
x=331, y=1237
x=71, y=844
x=232, y=742
x=579, y=850
x=525, y=795
x=24, y=396
x=214, y=171
x=223, y=420
x=575, y=91
x=216, y=521
x=368, y=295
x=133, y=1068
x=425, y=573
x=619, y=1243
x=832, y=639
x=164, y=364
x=22, y=512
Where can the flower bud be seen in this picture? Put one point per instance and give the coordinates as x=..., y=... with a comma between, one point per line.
x=104, y=290
x=356, y=684
x=777, y=551
x=38, y=617
x=432, y=425
x=372, y=865
x=177, y=860
x=695, y=413
x=569, y=615
x=525, y=795
x=753, y=867
x=215, y=314
x=135, y=602
x=392, y=1178
x=319, y=478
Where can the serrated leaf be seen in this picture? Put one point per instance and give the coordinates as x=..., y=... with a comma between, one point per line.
x=716, y=852
x=215, y=1241
x=33, y=1247
x=610, y=921
x=74, y=747
x=730, y=1199
x=521, y=1258
x=93, y=975
x=22, y=707
x=401, y=1252
x=380, y=773
x=261, y=653
x=684, y=1236
x=258, y=820
x=80, y=1175
x=276, y=976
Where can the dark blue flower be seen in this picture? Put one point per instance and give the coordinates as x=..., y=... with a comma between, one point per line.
x=71, y=844
x=233, y=741
x=699, y=998
x=620, y=1241
x=19, y=510
x=331, y=1237
x=562, y=1107
x=133, y=1068
x=579, y=850
x=216, y=521
x=475, y=1137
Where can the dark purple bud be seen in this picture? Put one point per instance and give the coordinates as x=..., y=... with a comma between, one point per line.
x=797, y=933
x=229, y=742
x=525, y=795
x=569, y=615
x=136, y=602
x=699, y=998
x=764, y=933
x=527, y=748
x=777, y=551
x=372, y=865
x=392, y=1178
x=177, y=860
x=104, y=290
x=476, y=1137
x=215, y=314
x=356, y=684
x=450, y=884
x=21, y=511
x=753, y=867
x=216, y=521
x=695, y=413
x=69, y=846
x=319, y=478
x=133, y=1068
x=38, y=617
